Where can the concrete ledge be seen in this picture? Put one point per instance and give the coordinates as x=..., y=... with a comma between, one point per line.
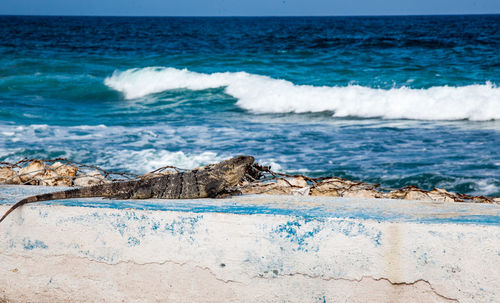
x=248, y=249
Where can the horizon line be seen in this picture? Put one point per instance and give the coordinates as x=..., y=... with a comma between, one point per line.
x=251, y=16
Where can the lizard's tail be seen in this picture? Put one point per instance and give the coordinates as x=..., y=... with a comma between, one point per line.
x=83, y=192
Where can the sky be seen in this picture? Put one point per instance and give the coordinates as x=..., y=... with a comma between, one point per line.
x=246, y=7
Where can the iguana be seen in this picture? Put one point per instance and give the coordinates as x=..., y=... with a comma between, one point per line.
x=205, y=182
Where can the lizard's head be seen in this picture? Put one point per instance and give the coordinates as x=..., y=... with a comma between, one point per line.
x=228, y=173
x=233, y=170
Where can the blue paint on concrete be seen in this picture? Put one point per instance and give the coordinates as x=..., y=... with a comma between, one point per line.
x=133, y=241
x=42, y=214
x=121, y=227
x=30, y=245
x=182, y=226
x=304, y=207
x=155, y=225
x=468, y=219
x=322, y=299
x=353, y=229
x=141, y=231
x=299, y=232
x=423, y=259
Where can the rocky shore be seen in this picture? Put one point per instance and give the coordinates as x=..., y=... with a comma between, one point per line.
x=338, y=187
x=260, y=180
x=39, y=172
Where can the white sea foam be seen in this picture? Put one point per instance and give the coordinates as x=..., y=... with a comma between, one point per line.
x=487, y=187
x=262, y=94
x=149, y=159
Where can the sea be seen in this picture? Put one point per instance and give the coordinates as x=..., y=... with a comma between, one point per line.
x=396, y=100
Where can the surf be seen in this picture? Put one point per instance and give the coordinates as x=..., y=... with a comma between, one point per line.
x=262, y=94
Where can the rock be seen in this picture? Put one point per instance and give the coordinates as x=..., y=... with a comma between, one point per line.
x=92, y=178
x=480, y=199
x=294, y=182
x=59, y=174
x=332, y=187
x=9, y=176
x=440, y=195
x=340, y=183
x=407, y=193
x=289, y=186
x=395, y=194
x=64, y=170
x=32, y=173
x=278, y=190
x=363, y=193
x=325, y=190
x=49, y=178
x=269, y=188
x=417, y=195
x=304, y=191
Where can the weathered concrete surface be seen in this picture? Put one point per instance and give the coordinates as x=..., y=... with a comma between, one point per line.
x=248, y=249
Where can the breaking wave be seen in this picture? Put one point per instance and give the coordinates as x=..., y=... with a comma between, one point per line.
x=263, y=94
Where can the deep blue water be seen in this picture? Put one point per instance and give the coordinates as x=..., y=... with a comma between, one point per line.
x=391, y=100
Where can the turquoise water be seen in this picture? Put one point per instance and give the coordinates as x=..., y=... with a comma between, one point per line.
x=391, y=100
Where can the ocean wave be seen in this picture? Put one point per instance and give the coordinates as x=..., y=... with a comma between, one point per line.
x=263, y=94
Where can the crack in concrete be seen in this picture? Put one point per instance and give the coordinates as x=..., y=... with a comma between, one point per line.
x=181, y=264
x=212, y=273
x=367, y=277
